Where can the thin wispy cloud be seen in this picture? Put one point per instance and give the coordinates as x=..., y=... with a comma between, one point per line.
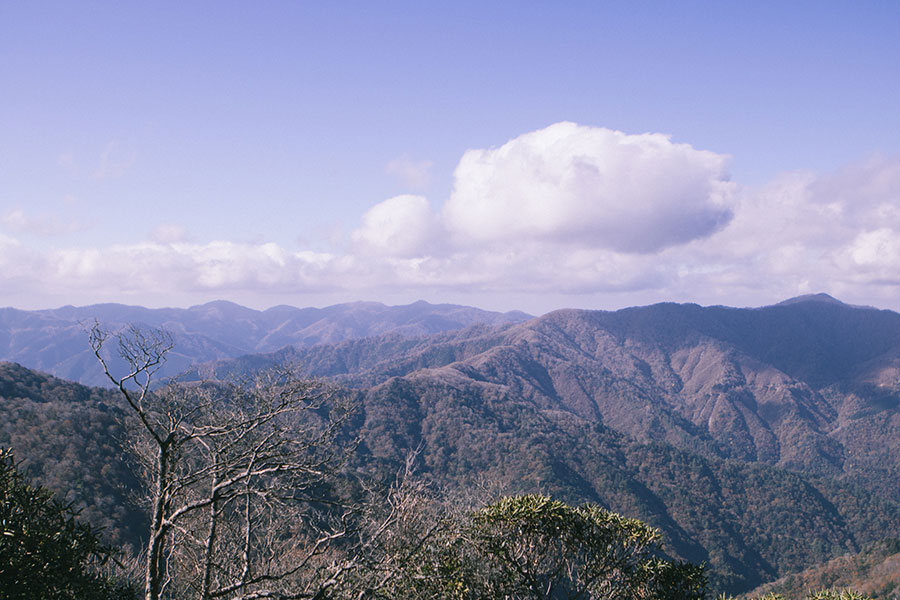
x=169, y=233
x=45, y=225
x=114, y=161
x=413, y=175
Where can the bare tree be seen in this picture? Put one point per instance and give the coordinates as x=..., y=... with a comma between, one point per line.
x=237, y=476
x=397, y=531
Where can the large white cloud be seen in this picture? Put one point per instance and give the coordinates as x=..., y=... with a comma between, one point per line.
x=591, y=187
x=399, y=226
x=534, y=218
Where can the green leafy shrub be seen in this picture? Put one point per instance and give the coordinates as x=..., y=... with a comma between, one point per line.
x=45, y=552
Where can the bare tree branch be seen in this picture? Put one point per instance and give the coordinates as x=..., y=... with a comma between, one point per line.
x=240, y=462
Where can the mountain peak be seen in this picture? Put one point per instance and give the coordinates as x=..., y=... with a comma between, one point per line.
x=820, y=297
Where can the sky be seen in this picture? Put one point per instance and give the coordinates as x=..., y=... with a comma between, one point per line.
x=507, y=155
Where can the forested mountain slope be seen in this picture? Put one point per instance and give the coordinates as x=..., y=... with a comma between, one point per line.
x=70, y=439
x=875, y=572
x=761, y=441
x=750, y=521
x=812, y=385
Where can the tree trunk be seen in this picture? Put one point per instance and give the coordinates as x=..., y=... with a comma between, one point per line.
x=209, y=550
x=156, y=565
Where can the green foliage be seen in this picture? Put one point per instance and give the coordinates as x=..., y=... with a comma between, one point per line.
x=874, y=572
x=829, y=594
x=847, y=594
x=543, y=548
x=45, y=552
x=534, y=547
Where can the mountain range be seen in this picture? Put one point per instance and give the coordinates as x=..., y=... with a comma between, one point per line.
x=761, y=441
x=54, y=340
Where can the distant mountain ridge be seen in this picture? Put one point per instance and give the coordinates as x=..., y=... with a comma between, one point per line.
x=55, y=340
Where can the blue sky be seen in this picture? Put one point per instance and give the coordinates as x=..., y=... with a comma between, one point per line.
x=311, y=153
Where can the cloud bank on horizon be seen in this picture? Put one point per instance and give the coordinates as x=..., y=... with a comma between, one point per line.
x=566, y=215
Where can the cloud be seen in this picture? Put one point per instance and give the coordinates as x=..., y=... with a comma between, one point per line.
x=168, y=273
x=414, y=175
x=401, y=226
x=169, y=233
x=864, y=201
x=7, y=243
x=588, y=217
x=836, y=232
x=536, y=269
x=591, y=187
x=876, y=248
x=217, y=265
x=114, y=161
x=18, y=221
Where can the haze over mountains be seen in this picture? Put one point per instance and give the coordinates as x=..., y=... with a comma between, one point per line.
x=54, y=340
x=762, y=441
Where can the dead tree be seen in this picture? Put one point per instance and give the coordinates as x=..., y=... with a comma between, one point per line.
x=236, y=476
